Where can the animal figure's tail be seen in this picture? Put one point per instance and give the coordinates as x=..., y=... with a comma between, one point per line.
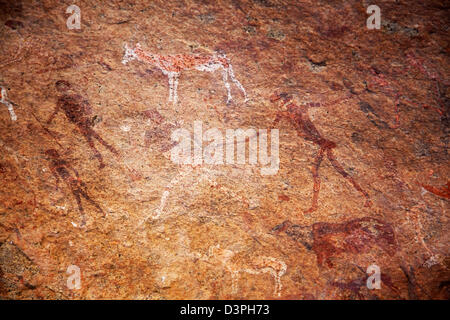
x=236, y=81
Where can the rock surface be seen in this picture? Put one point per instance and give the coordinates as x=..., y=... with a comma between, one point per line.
x=87, y=178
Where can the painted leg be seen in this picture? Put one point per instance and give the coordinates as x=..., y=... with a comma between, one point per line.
x=86, y=196
x=170, y=87
x=4, y=100
x=227, y=85
x=316, y=178
x=97, y=154
x=236, y=82
x=103, y=142
x=175, y=88
x=76, y=194
x=342, y=172
x=277, y=284
x=12, y=114
x=165, y=195
x=234, y=281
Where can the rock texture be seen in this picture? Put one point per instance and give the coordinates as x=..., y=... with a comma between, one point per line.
x=87, y=179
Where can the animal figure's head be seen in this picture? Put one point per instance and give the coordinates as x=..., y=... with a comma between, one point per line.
x=129, y=54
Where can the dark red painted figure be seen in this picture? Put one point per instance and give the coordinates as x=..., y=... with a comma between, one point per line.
x=356, y=286
x=61, y=169
x=332, y=239
x=298, y=116
x=78, y=111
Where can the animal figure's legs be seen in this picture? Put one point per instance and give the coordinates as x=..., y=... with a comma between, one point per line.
x=227, y=85
x=316, y=177
x=278, y=285
x=165, y=195
x=170, y=75
x=175, y=88
x=234, y=281
x=236, y=82
x=12, y=114
x=342, y=172
x=4, y=100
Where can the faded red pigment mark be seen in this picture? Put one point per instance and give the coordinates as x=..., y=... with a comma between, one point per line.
x=20, y=52
x=443, y=191
x=355, y=236
x=61, y=169
x=283, y=197
x=413, y=285
x=355, y=286
x=419, y=64
x=380, y=80
x=159, y=134
x=78, y=111
x=298, y=116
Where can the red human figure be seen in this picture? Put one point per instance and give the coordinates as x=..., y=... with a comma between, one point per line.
x=78, y=111
x=61, y=169
x=298, y=116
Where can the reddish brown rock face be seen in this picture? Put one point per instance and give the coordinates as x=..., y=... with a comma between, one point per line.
x=117, y=179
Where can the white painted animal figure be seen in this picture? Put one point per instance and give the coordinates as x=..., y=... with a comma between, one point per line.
x=258, y=265
x=172, y=65
x=7, y=103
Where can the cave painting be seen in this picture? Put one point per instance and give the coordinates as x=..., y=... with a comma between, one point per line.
x=357, y=286
x=441, y=191
x=173, y=65
x=298, y=116
x=61, y=169
x=414, y=63
x=329, y=240
x=256, y=265
x=78, y=111
x=4, y=100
